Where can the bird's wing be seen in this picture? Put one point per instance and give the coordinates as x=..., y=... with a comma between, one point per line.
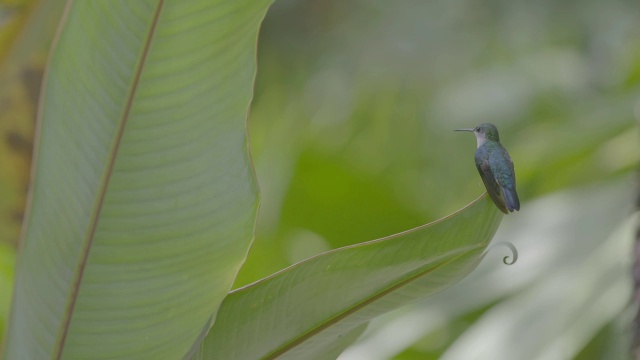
x=504, y=170
x=506, y=179
x=490, y=183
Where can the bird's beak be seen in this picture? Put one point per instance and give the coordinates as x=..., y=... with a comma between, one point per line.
x=472, y=130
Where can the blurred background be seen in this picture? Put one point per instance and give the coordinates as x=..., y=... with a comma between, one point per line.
x=352, y=138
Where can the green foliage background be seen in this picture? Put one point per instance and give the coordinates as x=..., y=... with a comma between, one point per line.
x=351, y=126
x=351, y=135
x=351, y=132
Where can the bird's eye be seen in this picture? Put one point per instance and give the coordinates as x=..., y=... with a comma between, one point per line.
x=478, y=129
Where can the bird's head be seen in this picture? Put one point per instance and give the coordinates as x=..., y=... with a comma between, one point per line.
x=484, y=132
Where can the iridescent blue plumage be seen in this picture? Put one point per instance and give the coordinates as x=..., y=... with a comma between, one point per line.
x=496, y=168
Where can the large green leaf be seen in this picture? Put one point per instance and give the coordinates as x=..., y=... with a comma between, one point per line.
x=143, y=203
x=304, y=311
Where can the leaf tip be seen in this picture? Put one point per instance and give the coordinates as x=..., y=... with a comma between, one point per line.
x=507, y=260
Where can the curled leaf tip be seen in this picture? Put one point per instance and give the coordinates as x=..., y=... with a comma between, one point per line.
x=508, y=260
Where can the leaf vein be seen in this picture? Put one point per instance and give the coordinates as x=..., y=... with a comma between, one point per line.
x=75, y=288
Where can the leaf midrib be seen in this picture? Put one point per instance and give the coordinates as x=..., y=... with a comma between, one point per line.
x=93, y=222
x=293, y=343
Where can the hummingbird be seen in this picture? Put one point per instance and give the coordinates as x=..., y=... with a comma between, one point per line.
x=495, y=167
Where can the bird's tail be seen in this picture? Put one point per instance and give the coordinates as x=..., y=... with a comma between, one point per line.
x=511, y=199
